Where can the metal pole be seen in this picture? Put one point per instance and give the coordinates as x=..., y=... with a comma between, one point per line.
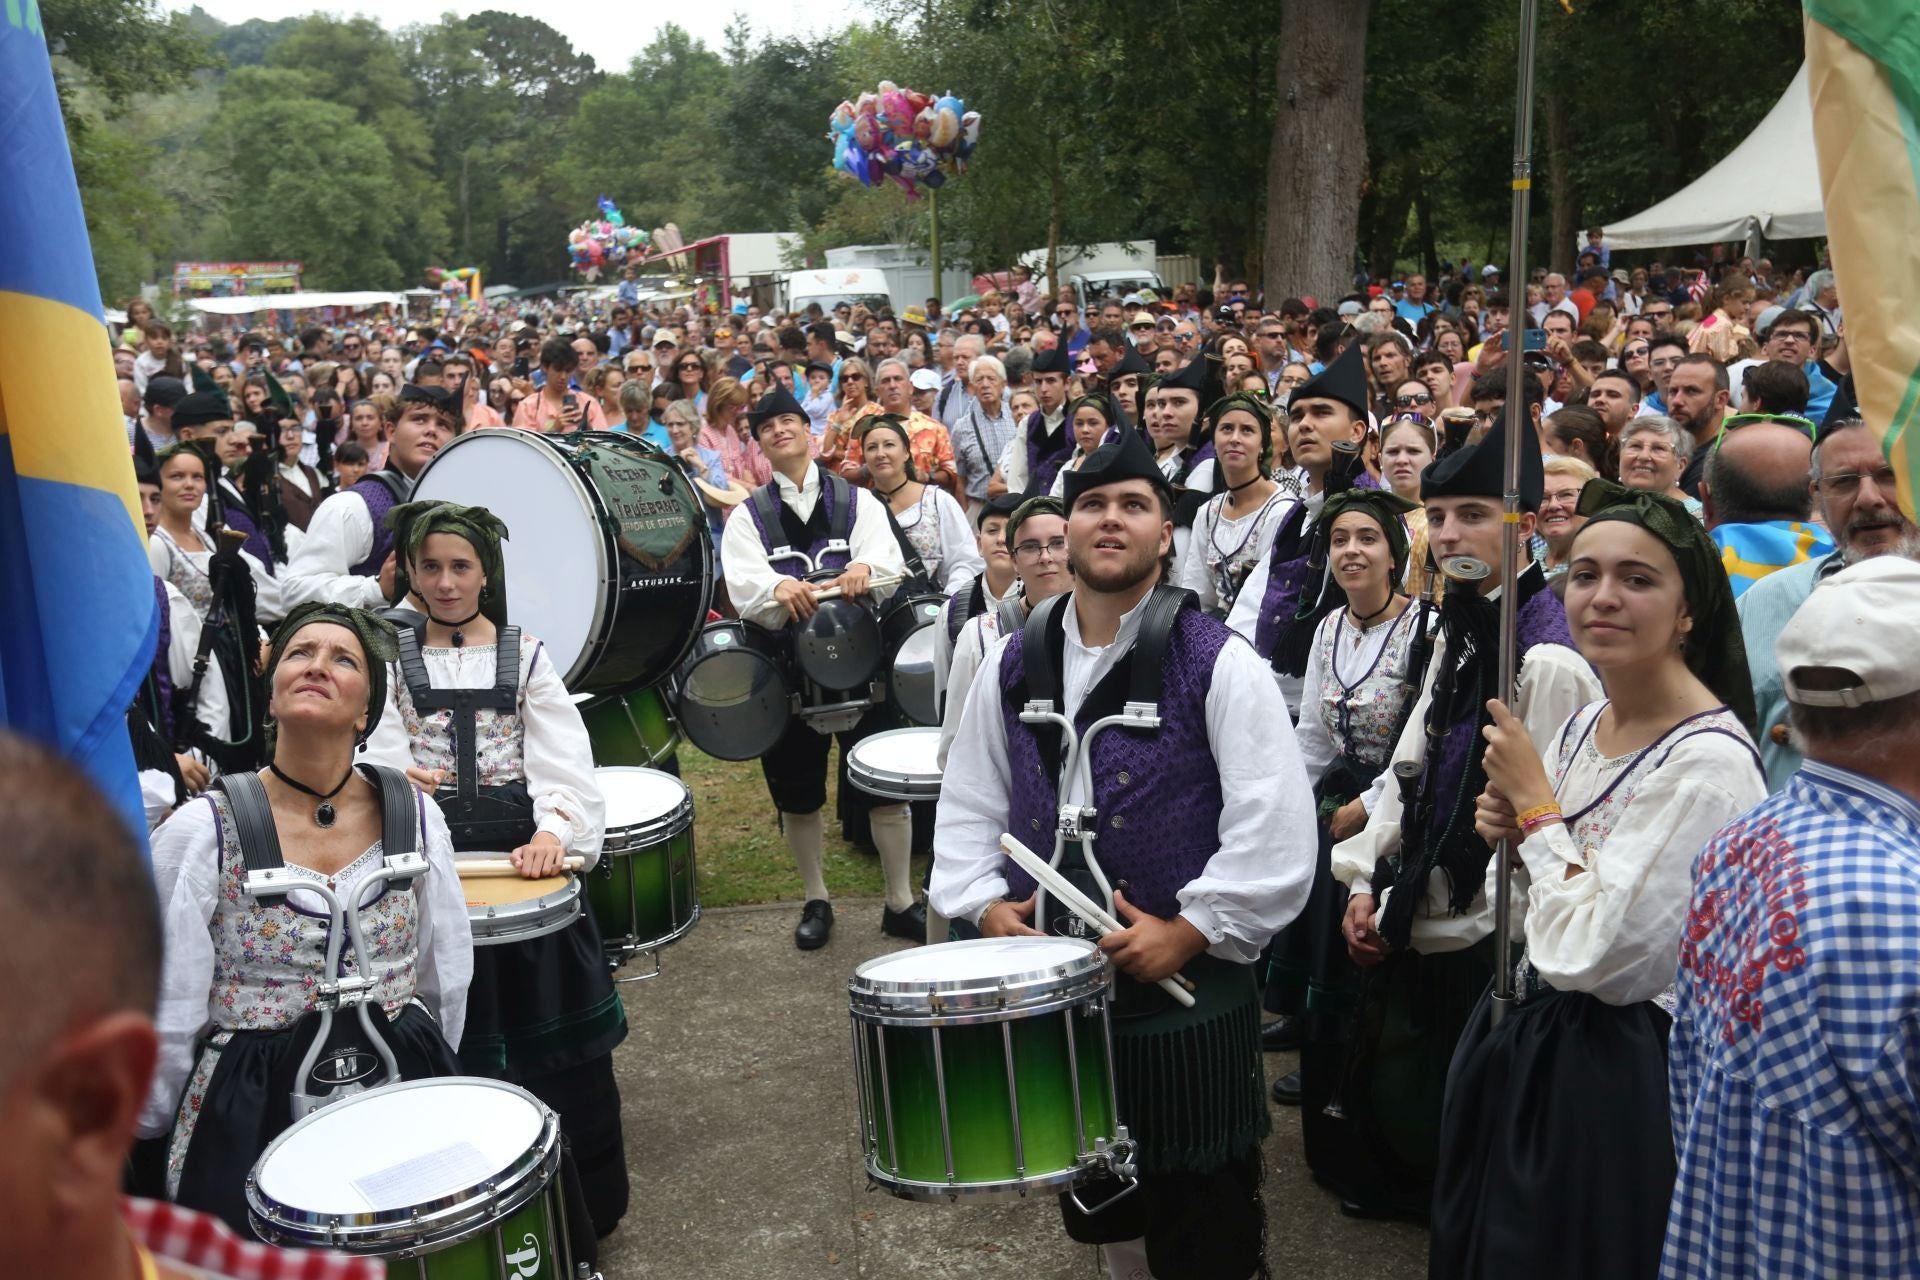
x=1518, y=420
x=933, y=214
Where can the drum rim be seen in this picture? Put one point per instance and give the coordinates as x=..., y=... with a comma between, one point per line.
x=548, y=913
x=978, y=1192
x=905, y=786
x=640, y=836
x=964, y=1001
x=590, y=506
x=418, y=1229
x=839, y=607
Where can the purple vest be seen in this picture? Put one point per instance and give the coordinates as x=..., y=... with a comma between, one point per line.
x=1157, y=794
x=828, y=523
x=379, y=500
x=1287, y=578
x=162, y=672
x=1042, y=467
x=960, y=607
x=240, y=520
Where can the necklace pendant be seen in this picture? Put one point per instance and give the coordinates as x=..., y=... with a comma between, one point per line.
x=459, y=640
x=324, y=815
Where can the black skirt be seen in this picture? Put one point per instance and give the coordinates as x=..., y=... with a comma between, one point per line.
x=1556, y=1147
x=247, y=1103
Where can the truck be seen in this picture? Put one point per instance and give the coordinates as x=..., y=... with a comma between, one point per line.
x=1096, y=271
x=907, y=273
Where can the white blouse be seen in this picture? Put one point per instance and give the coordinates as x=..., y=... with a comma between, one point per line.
x=1357, y=662
x=1224, y=549
x=163, y=553
x=957, y=560
x=557, y=754
x=1614, y=930
x=186, y=875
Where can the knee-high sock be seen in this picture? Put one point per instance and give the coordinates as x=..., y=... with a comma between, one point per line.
x=938, y=927
x=1127, y=1260
x=893, y=837
x=805, y=836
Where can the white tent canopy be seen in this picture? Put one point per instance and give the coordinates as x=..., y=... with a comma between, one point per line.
x=1769, y=185
x=294, y=302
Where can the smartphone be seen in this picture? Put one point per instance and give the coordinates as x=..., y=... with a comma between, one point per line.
x=520, y=369
x=569, y=401
x=1534, y=340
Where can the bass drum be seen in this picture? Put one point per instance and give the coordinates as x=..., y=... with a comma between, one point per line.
x=907, y=635
x=736, y=692
x=608, y=559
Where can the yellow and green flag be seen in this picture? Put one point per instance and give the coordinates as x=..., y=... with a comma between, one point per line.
x=78, y=615
x=1863, y=61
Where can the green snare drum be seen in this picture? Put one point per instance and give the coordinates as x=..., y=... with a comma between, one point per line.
x=449, y=1179
x=637, y=728
x=643, y=890
x=985, y=1068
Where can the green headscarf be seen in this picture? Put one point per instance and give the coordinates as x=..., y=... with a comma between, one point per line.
x=1388, y=510
x=1715, y=650
x=1258, y=406
x=413, y=522
x=376, y=636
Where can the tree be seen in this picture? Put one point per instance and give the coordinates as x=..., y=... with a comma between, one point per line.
x=1319, y=148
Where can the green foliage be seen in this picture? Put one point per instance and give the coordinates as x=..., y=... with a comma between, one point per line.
x=121, y=47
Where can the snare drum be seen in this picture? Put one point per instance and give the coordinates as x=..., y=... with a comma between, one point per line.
x=907, y=633
x=632, y=729
x=607, y=549
x=449, y=1179
x=900, y=764
x=643, y=890
x=735, y=691
x=985, y=1068
x=503, y=909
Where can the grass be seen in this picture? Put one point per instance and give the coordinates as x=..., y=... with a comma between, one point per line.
x=741, y=854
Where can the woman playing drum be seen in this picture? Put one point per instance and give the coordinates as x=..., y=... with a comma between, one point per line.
x=243, y=970
x=486, y=724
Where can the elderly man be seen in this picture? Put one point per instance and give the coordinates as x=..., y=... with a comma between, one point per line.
x=956, y=389
x=981, y=435
x=1758, y=508
x=1794, y=1041
x=1554, y=289
x=930, y=446
x=1856, y=490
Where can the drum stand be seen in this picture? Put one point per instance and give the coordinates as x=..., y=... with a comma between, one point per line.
x=1077, y=823
x=339, y=991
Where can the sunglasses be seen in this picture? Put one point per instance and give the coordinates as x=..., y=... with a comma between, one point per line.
x=1423, y=397
x=1631, y=352
x=853, y=377
x=1657, y=315
x=1145, y=326
x=1733, y=422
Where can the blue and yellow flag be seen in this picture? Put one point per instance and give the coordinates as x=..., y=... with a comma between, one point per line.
x=77, y=614
x=1863, y=62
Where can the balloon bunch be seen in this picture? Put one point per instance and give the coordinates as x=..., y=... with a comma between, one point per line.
x=605, y=240
x=914, y=139
x=451, y=280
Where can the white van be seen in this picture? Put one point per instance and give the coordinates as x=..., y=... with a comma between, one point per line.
x=834, y=285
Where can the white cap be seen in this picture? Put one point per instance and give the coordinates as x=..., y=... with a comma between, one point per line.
x=1862, y=620
x=925, y=380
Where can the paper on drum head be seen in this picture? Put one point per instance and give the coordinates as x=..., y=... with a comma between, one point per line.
x=391, y=1148
x=914, y=753
x=975, y=959
x=636, y=795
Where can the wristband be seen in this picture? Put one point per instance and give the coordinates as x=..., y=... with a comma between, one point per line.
x=1538, y=816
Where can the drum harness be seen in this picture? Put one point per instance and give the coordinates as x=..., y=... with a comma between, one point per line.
x=334, y=1067
x=480, y=818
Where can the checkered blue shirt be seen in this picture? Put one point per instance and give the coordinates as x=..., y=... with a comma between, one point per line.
x=1795, y=1063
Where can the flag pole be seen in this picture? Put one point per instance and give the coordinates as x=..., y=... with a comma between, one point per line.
x=1518, y=420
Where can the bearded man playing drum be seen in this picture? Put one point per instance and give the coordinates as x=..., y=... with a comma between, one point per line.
x=1204, y=828
x=796, y=767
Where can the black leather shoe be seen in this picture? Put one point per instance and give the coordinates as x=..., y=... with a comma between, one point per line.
x=1378, y=1212
x=1286, y=1090
x=910, y=924
x=816, y=922
x=1282, y=1035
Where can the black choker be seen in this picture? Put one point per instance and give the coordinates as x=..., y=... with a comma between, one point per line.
x=888, y=493
x=1360, y=624
x=325, y=813
x=1235, y=488
x=458, y=640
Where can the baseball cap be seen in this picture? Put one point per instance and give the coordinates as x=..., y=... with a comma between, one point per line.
x=1399, y=284
x=1489, y=270
x=925, y=380
x=1131, y=300
x=1860, y=622
x=164, y=392
x=1350, y=308
x=1620, y=274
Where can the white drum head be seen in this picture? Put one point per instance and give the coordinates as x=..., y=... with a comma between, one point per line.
x=977, y=959
x=400, y=1148
x=554, y=550
x=910, y=753
x=637, y=796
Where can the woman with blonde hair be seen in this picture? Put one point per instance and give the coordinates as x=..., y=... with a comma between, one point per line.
x=726, y=433
x=840, y=444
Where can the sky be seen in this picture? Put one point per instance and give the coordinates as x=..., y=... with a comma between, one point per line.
x=611, y=42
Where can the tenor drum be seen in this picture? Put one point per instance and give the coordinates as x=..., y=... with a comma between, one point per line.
x=907, y=637
x=736, y=693
x=630, y=729
x=643, y=890
x=900, y=764
x=985, y=1068
x=607, y=554
x=448, y=1179
x=839, y=647
x=503, y=909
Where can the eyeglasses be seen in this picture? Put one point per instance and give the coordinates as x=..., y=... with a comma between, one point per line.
x=1661, y=314
x=1735, y=421
x=1647, y=445
x=1790, y=335
x=1056, y=548
x=1845, y=484
x=1560, y=498
x=1418, y=397
x=853, y=377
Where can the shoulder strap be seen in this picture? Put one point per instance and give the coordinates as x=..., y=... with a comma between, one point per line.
x=506, y=663
x=399, y=809
x=252, y=821
x=1157, y=622
x=766, y=505
x=840, y=525
x=917, y=575
x=397, y=485
x=413, y=668
x=1042, y=677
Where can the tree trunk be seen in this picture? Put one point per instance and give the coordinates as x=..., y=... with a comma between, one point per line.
x=1319, y=153
x=1056, y=199
x=1429, y=250
x=1563, y=193
x=466, y=209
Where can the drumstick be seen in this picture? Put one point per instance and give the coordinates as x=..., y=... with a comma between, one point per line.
x=878, y=580
x=505, y=867
x=1070, y=897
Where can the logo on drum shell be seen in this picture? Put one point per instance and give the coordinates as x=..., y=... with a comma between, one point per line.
x=345, y=1066
x=526, y=1262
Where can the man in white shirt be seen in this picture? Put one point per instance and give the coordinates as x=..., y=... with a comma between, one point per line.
x=347, y=554
x=1206, y=817
x=1554, y=289
x=1042, y=444
x=808, y=512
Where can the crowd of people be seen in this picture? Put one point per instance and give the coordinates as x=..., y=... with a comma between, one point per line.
x=1702, y=777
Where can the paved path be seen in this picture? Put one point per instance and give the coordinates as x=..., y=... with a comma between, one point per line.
x=741, y=1141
